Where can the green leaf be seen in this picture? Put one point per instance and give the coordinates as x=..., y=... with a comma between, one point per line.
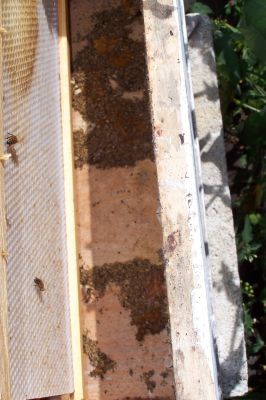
x=228, y=66
x=201, y=8
x=254, y=12
x=255, y=218
x=258, y=345
x=248, y=323
x=253, y=26
x=253, y=249
x=242, y=162
x=227, y=59
x=254, y=130
x=248, y=290
x=247, y=231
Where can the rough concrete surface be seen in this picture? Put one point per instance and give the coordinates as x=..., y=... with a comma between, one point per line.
x=226, y=299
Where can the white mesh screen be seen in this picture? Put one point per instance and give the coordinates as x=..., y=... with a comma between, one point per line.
x=40, y=348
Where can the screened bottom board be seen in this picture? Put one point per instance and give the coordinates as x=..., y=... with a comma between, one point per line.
x=39, y=326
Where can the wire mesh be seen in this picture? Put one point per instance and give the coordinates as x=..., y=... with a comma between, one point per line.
x=39, y=326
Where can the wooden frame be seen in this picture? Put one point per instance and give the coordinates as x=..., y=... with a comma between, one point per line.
x=186, y=268
x=5, y=385
x=73, y=272
x=193, y=364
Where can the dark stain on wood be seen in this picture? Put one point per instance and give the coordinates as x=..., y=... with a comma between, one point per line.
x=173, y=240
x=20, y=42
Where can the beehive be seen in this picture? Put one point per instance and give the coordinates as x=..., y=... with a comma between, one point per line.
x=143, y=289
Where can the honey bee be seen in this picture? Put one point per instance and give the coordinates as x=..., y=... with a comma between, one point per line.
x=87, y=295
x=11, y=139
x=39, y=284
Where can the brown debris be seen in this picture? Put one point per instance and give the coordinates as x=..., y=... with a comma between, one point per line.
x=146, y=376
x=173, y=240
x=165, y=374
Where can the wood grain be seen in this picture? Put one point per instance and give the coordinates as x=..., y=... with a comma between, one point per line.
x=4, y=358
x=73, y=272
x=194, y=366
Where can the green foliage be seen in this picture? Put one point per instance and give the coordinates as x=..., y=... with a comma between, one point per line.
x=240, y=45
x=201, y=8
x=247, y=246
x=253, y=26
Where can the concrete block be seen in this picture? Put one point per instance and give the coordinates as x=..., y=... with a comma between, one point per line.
x=226, y=297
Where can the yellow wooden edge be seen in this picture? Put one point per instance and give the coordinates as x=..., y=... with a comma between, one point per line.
x=5, y=383
x=73, y=272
